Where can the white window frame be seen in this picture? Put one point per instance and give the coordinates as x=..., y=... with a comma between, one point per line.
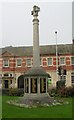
x=51, y=63
x=4, y=63
x=41, y=61
x=17, y=63
x=71, y=60
x=27, y=63
x=72, y=75
x=10, y=74
x=64, y=61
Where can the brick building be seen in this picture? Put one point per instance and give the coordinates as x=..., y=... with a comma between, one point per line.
x=15, y=61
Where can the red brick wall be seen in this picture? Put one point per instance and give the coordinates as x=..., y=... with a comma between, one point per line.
x=24, y=68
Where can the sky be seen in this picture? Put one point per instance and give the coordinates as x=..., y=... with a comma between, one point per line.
x=73, y=19
x=17, y=25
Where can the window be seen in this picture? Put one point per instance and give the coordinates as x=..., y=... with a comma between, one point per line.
x=72, y=78
x=19, y=62
x=28, y=62
x=49, y=61
x=72, y=60
x=5, y=63
x=63, y=77
x=62, y=61
x=10, y=81
x=11, y=75
x=6, y=75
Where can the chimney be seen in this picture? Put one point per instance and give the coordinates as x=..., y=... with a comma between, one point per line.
x=36, y=54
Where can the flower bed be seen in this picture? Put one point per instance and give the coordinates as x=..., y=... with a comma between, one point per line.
x=28, y=103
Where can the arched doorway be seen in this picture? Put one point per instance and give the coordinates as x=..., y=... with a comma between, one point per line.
x=21, y=81
x=6, y=84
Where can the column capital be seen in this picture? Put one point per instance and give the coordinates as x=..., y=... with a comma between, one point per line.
x=35, y=21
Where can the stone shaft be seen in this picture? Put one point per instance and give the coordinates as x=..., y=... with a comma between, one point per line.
x=36, y=53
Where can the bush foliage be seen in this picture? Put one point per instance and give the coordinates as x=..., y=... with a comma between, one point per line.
x=13, y=92
x=54, y=92
x=62, y=92
x=60, y=84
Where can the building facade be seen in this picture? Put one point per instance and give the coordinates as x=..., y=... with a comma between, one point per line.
x=15, y=61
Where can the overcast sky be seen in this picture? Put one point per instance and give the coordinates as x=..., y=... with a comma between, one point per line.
x=53, y=16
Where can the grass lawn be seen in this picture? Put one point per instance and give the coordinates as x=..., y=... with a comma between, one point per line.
x=0, y=106
x=10, y=111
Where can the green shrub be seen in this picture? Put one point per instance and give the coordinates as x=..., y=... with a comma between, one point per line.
x=5, y=91
x=13, y=92
x=66, y=92
x=53, y=92
x=70, y=91
x=20, y=92
x=60, y=84
x=62, y=92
